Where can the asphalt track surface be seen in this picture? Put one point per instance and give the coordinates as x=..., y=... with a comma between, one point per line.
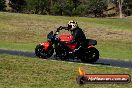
x=107, y=62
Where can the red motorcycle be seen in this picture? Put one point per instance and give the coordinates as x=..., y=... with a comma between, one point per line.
x=59, y=43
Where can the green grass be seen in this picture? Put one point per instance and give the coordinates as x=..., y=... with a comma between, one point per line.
x=18, y=46
x=121, y=24
x=24, y=31
x=23, y=72
x=115, y=50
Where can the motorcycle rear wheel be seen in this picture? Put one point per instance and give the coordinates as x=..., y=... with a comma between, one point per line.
x=42, y=53
x=90, y=55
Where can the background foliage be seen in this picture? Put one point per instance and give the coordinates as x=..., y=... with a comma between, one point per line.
x=94, y=8
x=2, y=5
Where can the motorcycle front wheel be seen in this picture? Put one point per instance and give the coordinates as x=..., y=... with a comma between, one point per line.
x=42, y=53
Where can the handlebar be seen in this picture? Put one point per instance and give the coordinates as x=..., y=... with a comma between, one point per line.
x=60, y=28
x=53, y=35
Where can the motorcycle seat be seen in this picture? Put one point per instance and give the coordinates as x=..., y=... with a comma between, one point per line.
x=91, y=42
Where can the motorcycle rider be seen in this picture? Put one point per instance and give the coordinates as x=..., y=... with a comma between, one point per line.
x=77, y=33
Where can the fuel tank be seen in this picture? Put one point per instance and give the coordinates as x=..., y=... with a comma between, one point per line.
x=66, y=37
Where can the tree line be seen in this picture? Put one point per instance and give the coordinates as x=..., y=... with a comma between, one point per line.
x=94, y=8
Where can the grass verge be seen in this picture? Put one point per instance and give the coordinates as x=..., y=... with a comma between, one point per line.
x=23, y=72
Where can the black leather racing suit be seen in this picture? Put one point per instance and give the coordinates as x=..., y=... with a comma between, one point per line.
x=78, y=37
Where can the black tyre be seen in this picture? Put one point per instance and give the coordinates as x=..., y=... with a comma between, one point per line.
x=90, y=55
x=40, y=52
x=81, y=80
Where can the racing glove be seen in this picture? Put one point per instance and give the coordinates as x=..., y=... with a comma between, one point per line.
x=60, y=28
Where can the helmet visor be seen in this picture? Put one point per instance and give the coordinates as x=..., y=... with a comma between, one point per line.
x=69, y=26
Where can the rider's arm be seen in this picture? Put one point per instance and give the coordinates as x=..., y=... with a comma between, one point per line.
x=61, y=28
x=75, y=35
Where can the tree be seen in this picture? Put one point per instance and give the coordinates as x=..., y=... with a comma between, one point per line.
x=120, y=7
x=2, y=5
x=76, y=3
x=17, y=5
x=124, y=6
x=68, y=8
x=127, y=7
x=38, y=6
x=57, y=9
x=91, y=7
x=62, y=7
x=81, y=10
x=97, y=7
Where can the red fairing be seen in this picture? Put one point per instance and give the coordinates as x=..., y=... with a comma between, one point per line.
x=66, y=37
x=45, y=44
x=73, y=46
